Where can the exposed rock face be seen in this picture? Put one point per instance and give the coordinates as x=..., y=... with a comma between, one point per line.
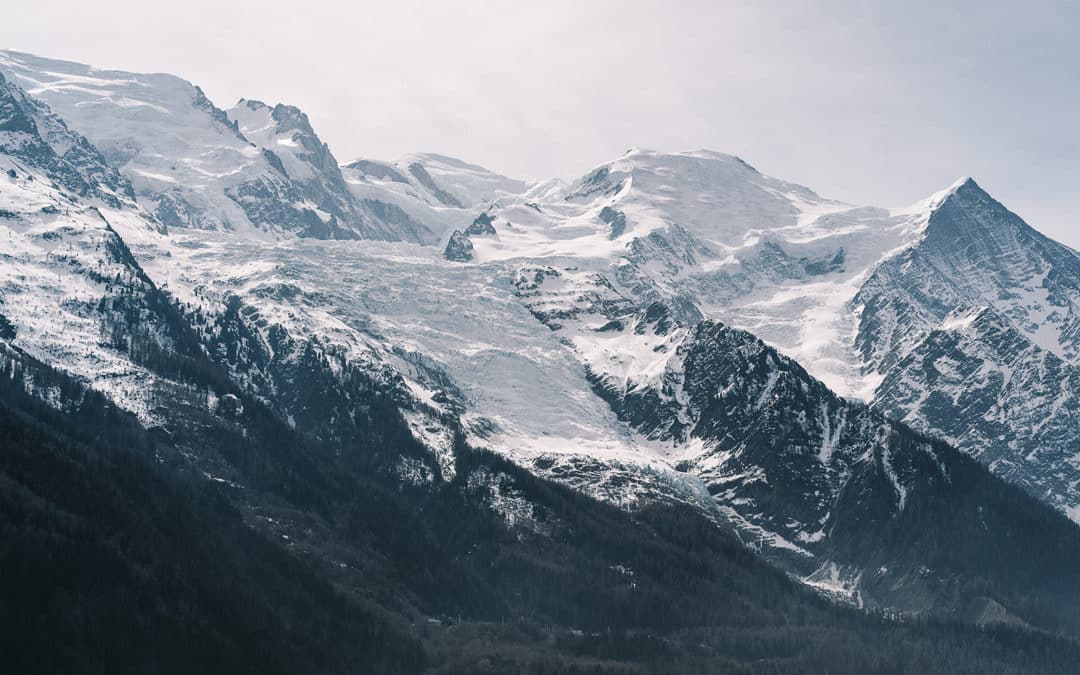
x=481, y=226
x=827, y=488
x=975, y=331
x=615, y=219
x=459, y=248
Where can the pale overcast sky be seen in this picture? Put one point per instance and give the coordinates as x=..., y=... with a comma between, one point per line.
x=870, y=102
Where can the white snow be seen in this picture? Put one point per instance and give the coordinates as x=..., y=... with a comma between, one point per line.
x=149, y=127
x=52, y=277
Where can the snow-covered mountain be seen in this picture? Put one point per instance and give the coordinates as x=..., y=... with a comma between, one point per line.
x=975, y=330
x=74, y=298
x=66, y=273
x=193, y=165
x=766, y=255
x=853, y=294
x=669, y=328
x=441, y=181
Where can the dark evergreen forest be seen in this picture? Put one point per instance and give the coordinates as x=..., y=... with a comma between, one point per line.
x=118, y=555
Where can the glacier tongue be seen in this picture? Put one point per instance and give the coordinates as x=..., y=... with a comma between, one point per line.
x=456, y=332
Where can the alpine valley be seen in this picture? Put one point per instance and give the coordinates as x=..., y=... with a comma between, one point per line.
x=262, y=410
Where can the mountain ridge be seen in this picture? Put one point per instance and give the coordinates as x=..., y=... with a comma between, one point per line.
x=667, y=330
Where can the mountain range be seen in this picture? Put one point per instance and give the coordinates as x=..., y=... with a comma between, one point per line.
x=585, y=423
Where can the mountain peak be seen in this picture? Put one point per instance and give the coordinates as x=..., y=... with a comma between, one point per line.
x=965, y=186
x=967, y=197
x=962, y=182
x=934, y=201
x=252, y=104
x=285, y=117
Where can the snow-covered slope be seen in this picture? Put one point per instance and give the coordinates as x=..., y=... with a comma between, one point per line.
x=396, y=196
x=292, y=147
x=75, y=299
x=468, y=184
x=456, y=338
x=192, y=165
x=762, y=254
x=443, y=181
x=439, y=194
x=66, y=277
